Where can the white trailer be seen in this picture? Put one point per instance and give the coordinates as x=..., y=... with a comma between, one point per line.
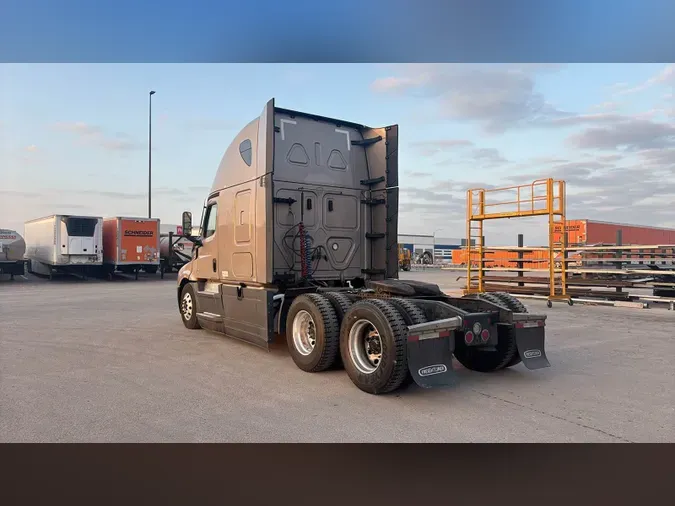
x=64, y=243
x=12, y=251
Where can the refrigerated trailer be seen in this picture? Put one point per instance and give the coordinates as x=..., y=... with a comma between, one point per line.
x=299, y=239
x=64, y=244
x=130, y=245
x=12, y=251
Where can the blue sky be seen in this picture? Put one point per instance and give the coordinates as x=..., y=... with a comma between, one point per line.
x=74, y=136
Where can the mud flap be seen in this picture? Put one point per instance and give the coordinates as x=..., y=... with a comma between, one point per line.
x=430, y=359
x=530, y=344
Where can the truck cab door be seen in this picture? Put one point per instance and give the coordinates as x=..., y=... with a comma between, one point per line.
x=206, y=262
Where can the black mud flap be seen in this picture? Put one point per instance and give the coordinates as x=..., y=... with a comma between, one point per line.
x=430, y=360
x=530, y=344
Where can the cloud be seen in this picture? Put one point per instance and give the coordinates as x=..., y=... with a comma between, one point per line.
x=490, y=155
x=497, y=97
x=430, y=148
x=31, y=148
x=211, y=124
x=625, y=134
x=95, y=135
x=665, y=76
x=419, y=174
x=606, y=106
x=585, y=119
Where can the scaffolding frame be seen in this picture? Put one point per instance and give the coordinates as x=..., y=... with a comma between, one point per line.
x=480, y=209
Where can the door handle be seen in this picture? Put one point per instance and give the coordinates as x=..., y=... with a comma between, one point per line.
x=214, y=265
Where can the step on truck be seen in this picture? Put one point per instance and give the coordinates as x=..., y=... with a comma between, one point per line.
x=298, y=237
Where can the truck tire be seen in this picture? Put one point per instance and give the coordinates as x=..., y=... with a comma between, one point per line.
x=341, y=303
x=412, y=315
x=515, y=306
x=512, y=303
x=373, y=346
x=188, y=307
x=312, y=332
x=490, y=360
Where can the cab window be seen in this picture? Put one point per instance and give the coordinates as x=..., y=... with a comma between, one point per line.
x=210, y=220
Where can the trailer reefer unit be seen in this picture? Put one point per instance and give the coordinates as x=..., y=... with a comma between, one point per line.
x=590, y=232
x=12, y=251
x=299, y=238
x=64, y=243
x=130, y=245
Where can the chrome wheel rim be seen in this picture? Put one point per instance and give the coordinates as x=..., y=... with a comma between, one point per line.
x=365, y=346
x=186, y=306
x=304, y=333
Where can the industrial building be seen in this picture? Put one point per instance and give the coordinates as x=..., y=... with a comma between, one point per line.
x=437, y=249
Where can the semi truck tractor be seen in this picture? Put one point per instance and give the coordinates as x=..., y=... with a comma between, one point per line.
x=298, y=238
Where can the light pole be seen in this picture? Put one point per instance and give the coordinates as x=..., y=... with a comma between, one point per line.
x=150, y=154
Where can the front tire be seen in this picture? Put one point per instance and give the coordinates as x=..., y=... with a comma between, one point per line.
x=373, y=346
x=188, y=307
x=312, y=332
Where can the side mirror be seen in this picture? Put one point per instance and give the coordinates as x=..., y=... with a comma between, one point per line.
x=187, y=223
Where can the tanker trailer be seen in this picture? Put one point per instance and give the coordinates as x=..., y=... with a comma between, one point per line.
x=12, y=251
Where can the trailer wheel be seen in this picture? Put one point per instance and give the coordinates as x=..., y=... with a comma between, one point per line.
x=312, y=332
x=188, y=307
x=373, y=346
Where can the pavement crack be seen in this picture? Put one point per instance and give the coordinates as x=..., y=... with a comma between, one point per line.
x=555, y=416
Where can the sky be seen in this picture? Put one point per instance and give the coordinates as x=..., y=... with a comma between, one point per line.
x=74, y=137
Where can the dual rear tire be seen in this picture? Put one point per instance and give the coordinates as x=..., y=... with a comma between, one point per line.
x=367, y=336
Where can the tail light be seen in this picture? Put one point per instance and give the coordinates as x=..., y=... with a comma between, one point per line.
x=468, y=337
x=485, y=335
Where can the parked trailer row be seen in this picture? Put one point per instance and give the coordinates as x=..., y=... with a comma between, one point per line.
x=92, y=245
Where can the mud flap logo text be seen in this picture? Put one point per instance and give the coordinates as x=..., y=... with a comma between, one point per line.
x=432, y=369
x=532, y=354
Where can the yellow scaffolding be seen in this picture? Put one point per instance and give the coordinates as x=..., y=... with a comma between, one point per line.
x=525, y=201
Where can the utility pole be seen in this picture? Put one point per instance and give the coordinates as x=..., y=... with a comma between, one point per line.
x=150, y=154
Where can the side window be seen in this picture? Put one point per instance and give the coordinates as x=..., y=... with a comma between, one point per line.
x=246, y=151
x=210, y=220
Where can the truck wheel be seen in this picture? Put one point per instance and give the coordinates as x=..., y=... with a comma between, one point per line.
x=188, y=307
x=312, y=332
x=493, y=299
x=511, y=302
x=515, y=306
x=412, y=315
x=490, y=360
x=341, y=303
x=373, y=346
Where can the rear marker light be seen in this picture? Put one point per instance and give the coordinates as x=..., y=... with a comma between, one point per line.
x=468, y=337
x=485, y=335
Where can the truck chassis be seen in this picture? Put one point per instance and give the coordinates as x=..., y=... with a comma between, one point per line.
x=394, y=332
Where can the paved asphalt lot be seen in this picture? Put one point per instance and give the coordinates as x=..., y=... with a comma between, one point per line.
x=111, y=362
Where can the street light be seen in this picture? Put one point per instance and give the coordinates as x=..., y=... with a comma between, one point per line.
x=150, y=154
